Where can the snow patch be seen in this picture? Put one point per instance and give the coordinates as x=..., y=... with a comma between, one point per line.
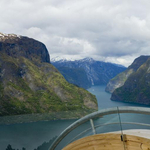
x=2, y=35
x=61, y=59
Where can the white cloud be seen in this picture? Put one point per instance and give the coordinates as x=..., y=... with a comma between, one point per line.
x=111, y=30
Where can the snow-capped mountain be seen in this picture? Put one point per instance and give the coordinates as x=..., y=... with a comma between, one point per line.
x=86, y=72
x=2, y=35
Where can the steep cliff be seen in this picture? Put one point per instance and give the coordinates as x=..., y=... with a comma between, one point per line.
x=136, y=88
x=30, y=84
x=17, y=46
x=121, y=78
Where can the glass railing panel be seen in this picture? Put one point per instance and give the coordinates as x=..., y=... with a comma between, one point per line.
x=81, y=131
x=108, y=123
x=101, y=124
x=135, y=121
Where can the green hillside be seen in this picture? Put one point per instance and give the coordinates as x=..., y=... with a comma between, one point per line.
x=31, y=85
x=136, y=88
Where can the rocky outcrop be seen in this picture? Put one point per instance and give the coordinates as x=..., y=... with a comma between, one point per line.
x=30, y=84
x=17, y=46
x=121, y=78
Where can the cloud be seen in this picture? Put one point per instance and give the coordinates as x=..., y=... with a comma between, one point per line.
x=105, y=30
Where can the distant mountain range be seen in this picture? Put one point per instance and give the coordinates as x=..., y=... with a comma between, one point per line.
x=132, y=85
x=87, y=72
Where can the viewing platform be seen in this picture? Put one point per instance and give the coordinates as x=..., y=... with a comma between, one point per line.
x=120, y=128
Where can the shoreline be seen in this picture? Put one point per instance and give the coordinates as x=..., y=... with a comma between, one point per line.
x=29, y=118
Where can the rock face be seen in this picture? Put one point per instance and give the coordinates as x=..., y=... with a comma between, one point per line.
x=121, y=78
x=87, y=72
x=17, y=46
x=30, y=84
x=136, y=88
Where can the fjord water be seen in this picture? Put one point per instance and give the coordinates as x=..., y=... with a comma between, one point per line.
x=33, y=134
x=103, y=98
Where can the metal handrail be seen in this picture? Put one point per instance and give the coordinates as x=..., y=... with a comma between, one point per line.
x=100, y=113
x=105, y=124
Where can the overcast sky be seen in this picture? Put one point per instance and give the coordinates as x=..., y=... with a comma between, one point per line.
x=116, y=31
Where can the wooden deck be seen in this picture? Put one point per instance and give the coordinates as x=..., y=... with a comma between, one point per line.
x=112, y=141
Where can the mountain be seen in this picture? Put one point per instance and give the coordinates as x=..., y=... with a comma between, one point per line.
x=136, y=87
x=87, y=72
x=121, y=78
x=30, y=84
x=76, y=76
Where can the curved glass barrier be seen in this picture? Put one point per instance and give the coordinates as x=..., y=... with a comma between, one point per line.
x=120, y=120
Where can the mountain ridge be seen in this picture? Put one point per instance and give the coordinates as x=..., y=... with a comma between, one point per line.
x=94, y=72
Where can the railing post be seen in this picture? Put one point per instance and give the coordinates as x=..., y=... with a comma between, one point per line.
x=92, y=125
x=122, y=135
